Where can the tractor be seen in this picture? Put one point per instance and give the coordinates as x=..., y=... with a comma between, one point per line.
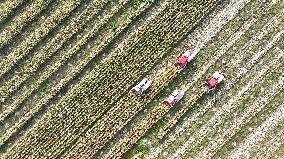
x=213, y=81
x=184, y=59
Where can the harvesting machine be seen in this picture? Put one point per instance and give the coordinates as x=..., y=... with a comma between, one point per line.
x=184, y=59
x=141, y=87
x=174, y=98
x=213, y=81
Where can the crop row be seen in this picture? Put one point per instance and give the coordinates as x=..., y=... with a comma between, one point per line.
x=231, y=102
x=44, y=53
x=125, y=19
x=17, y=24
x=250, y=43
x=161, y=80
x=65, y=80
x=7, y=8
x=65, y=55
x=214, y=50
x=118, y=118
x=63, y=9
x=148, y=121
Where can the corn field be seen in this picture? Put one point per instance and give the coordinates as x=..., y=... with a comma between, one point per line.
x=68, y=68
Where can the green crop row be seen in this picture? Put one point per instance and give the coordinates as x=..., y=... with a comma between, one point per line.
x=125, y=110
x=21, y=20
x=7, y=7
x=60, y=12
x=44, y=53
x=101, y=41
x=80, y=110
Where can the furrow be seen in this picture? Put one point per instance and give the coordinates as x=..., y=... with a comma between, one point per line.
x=45, y=52
x=125, y=19
x=63, y=9
x=7, y=7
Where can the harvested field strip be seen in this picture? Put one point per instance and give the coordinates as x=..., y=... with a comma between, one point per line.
x=196, y=117
x=22, y=19
x=270, y=143
x=212, y=145
x=244, y=148
x=105, y=136
x=63, y=9
x=205, y=110
x=228, y=146
x=43, y=54
x=159, y=149
x=62, y=82
x=235, y=99
x=231, y=104
x=7, y=7
x=117, y=148
x=273, y=147
x=195, y=148
x=216, y=141
x=173, y=119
